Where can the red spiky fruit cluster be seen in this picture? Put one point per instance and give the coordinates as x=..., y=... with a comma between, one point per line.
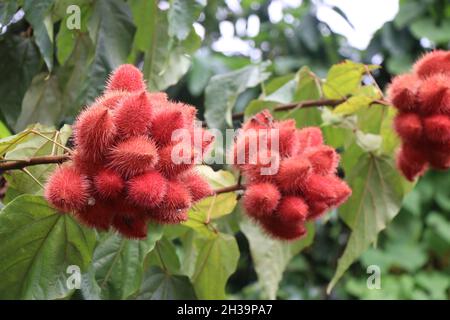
x=122, y=172
x=422, y=98
x=300, y=185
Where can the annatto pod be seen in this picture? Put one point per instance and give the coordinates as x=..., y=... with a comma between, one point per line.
x=175, y=159
x=280, y=229
x=324, y=159
x=147, y=190
x=309, y=137
x=127, y=78
x=434, y=62
x=437, y=128
x=67, y=189
x=98, y=215
x=112, y=99
x=261, y=199
x=292, y=209
x=108, y=184
x=165, y=123
x=434, y=95
x=411, y=161
x=198, y=187
x=402, y=92
x=409, y=127
x=293, y=174
x=132, y=226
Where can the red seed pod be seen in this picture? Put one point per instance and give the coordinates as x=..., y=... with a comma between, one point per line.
x=409, y=127
x=202, y=141
x=84, y=164
x=127, y=78
x=292, y=209
x=133, y=226
x=437, y=128
x=147, y=190
x=282, y=230
x=67, y=189
x=94, y=132
x=439, y=156
x=341, y=189
x=177, y=197
x=411, y=162
x=168, y=216
x=98, y=216
x=317, y=209
x=134, y=156
x=293, y=174
x=324, y=159
x=265, y=170
x=133, y=116
x=402, y=92
x=309, y=137
x=434, y=95
x=320, y=189
x=165, y=123
x=262, y=120
x=288, y=142
x=198, y=187
x=108, y=184
x=111, y=99
x=175, y=159
x=435, y=62
x=158, y=99
x=261, y=199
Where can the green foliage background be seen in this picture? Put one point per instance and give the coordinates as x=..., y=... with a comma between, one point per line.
x=49, y=72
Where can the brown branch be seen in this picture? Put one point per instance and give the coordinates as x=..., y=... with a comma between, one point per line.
x=309, y=104
x=232, y=188
x=20, y=164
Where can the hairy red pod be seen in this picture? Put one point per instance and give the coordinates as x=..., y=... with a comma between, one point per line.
x=202, y=141
x=133, y=116
x=437, y=128
x=265, y=169
x=177, y=197
x=165, y=123
x=133, y=156
x=198, y=187
x=293, y=174
x=434, y=95
x=341, y=190
x=133, y=226
x=292, y=209
x=434, y=62
x=168, y=216
x=316, y=210
x=411, y=162
x=320, y=189
x=111, y=99
x=84, y=164
x=94, y=131
x=175, y=159
x=147, y=190
x=67, y=189
x=262, y=120
x=108, y=184
x=402, y=92
x=288, y=142
x=439, y=156
x=309, y=137
x=127, y=78
x=98, y=216
x=261, y=199
x=158, y=99
x=281, y=229
x=409, y=127
x=324, y=159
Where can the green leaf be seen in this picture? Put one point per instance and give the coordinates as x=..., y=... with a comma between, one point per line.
x=118, y=263
x=223, y=90
x=164, y=255
x=343, y=79
x=167, y=59
x=210, y=258
x=37, y=245
x=256, y=106
x=352, y=105
x=42, y=102
x=20, y=60
x=270, y=256
x=159, y=285
x=144, y=13
x=111, y=30
x=182, y=14
x=378, y=190
x=4, y=131
x=427, y=28
x=38, y=15
x=7, y=9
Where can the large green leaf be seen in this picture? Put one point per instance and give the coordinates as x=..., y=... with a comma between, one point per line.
x=37, y=244
x=118, y=263
x=164, y=255
x=209, y=262
x=159, y=285
x=111, y=30
x=271, y=256
x=378, y=190
x=8, y=9
x=20, y=60
x=42, y=102
x=166, y=59
x=38, y=15
x=182, y=14
x=144, y=13
x=428, y=28
x=223, y=90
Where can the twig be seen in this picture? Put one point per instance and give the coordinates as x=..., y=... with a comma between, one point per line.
x=20, y=164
